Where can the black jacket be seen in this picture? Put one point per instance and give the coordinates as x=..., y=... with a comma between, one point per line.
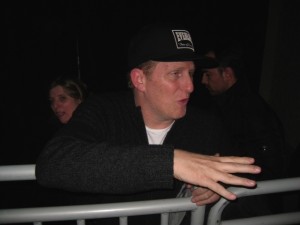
x=255, y=131
x=254, y=128
x=104, y=150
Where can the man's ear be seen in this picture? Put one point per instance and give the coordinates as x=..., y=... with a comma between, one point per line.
x=228, y=74
x=137, y=78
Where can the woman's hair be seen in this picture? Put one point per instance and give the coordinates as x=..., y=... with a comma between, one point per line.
x=73, y=86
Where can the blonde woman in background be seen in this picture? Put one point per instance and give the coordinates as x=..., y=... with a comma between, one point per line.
x=65, y=94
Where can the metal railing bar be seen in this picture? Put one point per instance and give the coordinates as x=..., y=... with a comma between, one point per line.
x=17, y=172
x=263, y=187
x=278, y=219
x=124, y=209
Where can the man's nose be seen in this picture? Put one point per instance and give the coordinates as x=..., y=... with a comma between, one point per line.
x=190, y=85
x=204, y=79
x=55, y=105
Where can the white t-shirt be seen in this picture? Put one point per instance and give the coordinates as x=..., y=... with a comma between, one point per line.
x=157, y=136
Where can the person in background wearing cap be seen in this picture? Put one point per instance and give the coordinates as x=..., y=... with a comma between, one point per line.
x=253, y=126
x=145, y=144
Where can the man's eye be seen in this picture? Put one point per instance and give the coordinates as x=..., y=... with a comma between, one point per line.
x=192, y=74
x=175, y=74
x=205, y=73
x=62, y=99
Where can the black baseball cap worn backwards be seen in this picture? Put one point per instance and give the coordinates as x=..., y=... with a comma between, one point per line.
x=163, y=43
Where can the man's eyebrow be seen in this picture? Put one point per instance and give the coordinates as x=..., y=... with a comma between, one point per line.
x=204, y=70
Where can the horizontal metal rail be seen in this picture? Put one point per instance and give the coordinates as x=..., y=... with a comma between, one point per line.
x=17, y=172
x=164, y=207
x=83, y=212
x=263, y=187
x=80, y=213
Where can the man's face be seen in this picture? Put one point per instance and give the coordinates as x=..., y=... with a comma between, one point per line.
x=214, y=80
x=166, y=92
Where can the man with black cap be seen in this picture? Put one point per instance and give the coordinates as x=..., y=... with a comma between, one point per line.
x=145, y=144
x=253, y=126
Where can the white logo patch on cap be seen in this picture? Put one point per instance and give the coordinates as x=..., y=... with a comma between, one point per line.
x=183, y=39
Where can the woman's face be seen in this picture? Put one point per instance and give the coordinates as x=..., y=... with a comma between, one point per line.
x=62, y=104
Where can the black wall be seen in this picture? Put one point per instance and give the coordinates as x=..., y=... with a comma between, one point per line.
x=45, y=38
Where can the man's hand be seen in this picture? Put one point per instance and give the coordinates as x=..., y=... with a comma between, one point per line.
x=208, y=171
x=202, y=196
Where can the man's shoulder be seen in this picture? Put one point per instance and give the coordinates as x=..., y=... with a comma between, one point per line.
x=202, y=115
x=98, y=96
x=110, y=98
x=107, y=104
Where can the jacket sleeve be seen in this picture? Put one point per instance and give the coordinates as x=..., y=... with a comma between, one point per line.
x=82, y=157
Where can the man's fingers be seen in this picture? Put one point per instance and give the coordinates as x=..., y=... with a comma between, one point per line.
x=200, y=201
x=202, y=196
x=236, y=180
x=242, y=160
x=241, y=168
x=219, y=189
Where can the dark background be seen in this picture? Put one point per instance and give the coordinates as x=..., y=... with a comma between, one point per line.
x=45, y=39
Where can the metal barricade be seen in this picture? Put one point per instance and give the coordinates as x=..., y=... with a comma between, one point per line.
x=80, y=213
x=263, y=187
x=164, y=207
